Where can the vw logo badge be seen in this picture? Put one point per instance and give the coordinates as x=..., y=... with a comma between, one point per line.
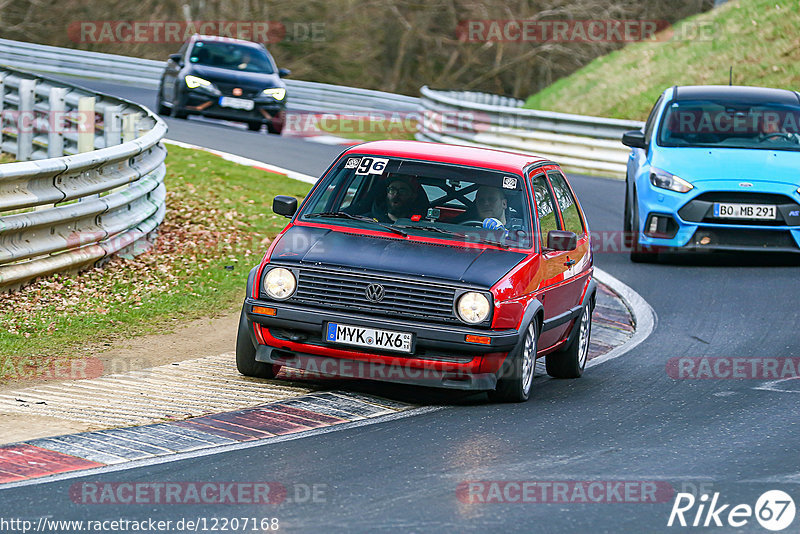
x=374, y=292
x=745, y=184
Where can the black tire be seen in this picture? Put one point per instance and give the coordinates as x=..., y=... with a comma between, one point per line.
x=246, y=354
x=162, y=109
x=515, y=383
x=570, y=361
x=272, y=130
x=178, y=112
x=254, y=126
x=639, y=254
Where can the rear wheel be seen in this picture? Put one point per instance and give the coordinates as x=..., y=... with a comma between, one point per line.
x=571, y=361
x=246, y=354
x=515, y=384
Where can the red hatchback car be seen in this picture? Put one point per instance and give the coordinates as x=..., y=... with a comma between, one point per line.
x=425, y=263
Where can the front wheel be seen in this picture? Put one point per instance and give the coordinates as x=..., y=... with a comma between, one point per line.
x=639, y=254
x=246, y=354
x=571, y=361
x=515, y=384
x=254, y=126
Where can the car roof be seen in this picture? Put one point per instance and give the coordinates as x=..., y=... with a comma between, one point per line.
x=738, y=93
x=199, y=37
x=455, y=154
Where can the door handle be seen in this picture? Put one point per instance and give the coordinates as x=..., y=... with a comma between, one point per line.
x=569, y=263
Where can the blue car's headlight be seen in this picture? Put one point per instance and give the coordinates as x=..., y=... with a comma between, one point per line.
x=666, y=180
x=278, y=93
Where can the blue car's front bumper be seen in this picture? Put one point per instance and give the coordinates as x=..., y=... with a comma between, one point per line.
x=687, y=219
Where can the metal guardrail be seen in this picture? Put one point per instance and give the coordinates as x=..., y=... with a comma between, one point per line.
x=302, y=96
x=88, y=180
x=579, y=143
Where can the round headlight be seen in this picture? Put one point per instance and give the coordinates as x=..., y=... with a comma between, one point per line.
x=280, y=283
x=473, y=307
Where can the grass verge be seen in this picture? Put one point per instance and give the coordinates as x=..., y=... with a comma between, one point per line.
x=218, y=223
x=759, y=38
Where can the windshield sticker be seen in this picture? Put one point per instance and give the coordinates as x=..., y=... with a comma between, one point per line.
x=352, y=163
x=372, y=166
x=509, y=182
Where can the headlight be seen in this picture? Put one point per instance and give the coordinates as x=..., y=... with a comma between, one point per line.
x=666, y=180
x=193, y=82
x=473, y=307
x=278, y=93
x=280, y=283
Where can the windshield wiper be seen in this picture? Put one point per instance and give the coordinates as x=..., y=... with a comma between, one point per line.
x=363, y=218
x=456, y=234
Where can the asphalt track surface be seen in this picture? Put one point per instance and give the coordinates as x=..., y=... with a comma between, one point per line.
x=624, y=420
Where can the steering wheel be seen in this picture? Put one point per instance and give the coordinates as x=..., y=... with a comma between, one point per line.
x=477, y=223
x=784, y=135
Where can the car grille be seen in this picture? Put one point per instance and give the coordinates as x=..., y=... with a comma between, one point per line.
x=336, y=290
x=701, y=208
x=738, y=239
x=227, y=90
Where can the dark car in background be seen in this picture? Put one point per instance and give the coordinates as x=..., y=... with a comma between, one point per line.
x=224, y=78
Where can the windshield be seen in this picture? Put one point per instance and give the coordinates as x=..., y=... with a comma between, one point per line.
x=421, y=198
x=231, y=56
x=707, y=123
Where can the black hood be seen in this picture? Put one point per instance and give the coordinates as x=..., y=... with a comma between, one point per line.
x=319, y=246
x=245, y=80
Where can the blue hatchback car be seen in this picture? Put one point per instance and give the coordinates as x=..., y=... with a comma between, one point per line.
x=715, y=168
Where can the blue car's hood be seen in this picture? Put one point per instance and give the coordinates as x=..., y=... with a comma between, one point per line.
x=712, y=164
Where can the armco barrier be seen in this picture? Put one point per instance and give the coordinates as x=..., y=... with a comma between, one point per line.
x=88, y=180
x=579, y=143
x=302, y=96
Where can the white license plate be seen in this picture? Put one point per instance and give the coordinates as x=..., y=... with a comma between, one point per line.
x=368, y=337
x=724, y=210
x=236, y=103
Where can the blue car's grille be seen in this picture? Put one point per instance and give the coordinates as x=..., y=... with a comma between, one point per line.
x=701, y=208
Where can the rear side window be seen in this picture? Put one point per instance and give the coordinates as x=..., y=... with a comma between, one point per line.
x=545, y=209
x=566, y=203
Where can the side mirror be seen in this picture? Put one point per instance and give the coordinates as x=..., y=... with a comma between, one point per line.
x=177, y=58
x=284, y=205
x=561, y=240
x=283, y=73
x=634, y=139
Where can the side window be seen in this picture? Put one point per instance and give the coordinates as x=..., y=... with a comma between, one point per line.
x=545, y=209
x=651, y=120
x=566, y=203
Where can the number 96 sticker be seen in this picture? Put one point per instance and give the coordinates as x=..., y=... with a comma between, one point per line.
x=372, y=166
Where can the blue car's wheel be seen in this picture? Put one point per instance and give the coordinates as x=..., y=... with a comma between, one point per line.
x=639, y=254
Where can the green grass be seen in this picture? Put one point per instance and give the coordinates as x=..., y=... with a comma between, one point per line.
x=759, y=38
x=218, y=215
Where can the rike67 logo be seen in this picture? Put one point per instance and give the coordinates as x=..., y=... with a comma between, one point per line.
x=774, y=510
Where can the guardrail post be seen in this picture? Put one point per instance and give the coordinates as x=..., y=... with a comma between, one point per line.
x=25, y=118
x=2, y=102
x=57, y=122
x=86, y=124
x=130, y=126
x=112, y=127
